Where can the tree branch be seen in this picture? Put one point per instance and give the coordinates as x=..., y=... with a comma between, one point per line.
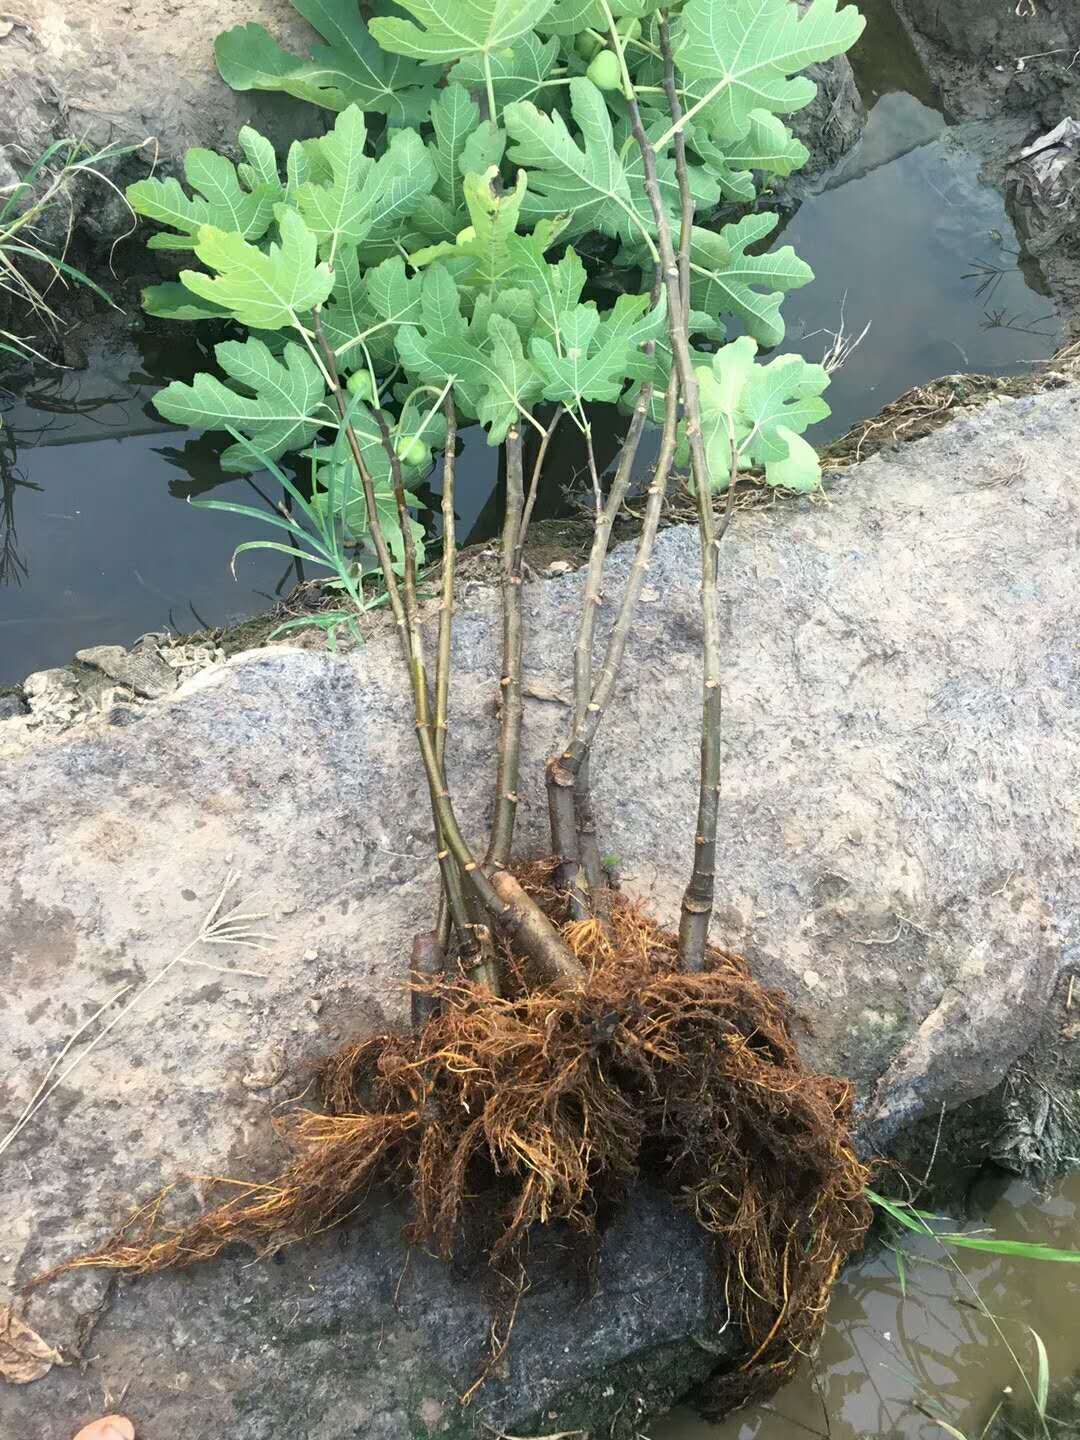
x=698, y=898
x=520, y=917
x=507, y=776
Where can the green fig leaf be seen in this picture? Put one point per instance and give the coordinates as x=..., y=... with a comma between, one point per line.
x=516, y=74
x=738, y=56
x=284, y=411
x=447, y=30
x=350, y=69
x=762, y=410
x=265, y=289
x=725, y=280
x=220, y=198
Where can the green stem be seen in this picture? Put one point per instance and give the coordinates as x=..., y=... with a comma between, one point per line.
x=489, y=84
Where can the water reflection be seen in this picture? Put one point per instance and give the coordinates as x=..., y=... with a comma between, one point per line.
x=905, y=1350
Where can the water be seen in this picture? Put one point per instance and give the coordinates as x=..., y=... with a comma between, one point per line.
x=96, y=547
x=890, y=1363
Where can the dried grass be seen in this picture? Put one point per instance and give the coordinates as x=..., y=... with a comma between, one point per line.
x=536, y=1108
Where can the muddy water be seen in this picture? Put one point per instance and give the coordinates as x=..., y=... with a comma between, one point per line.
x=893, y=1363
x=97, y=546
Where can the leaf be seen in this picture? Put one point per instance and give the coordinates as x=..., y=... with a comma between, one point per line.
x=24, y=1355
x=704, y=187
x=484, y=149
x=173, y=301
x=285, y=411
x=599, y=353
x=762, y=410
x=220, y=200
x=799, y=469
x=725, y=280
x=754, y=47
x=367, y=308
x=516, y=74
x=350, y=69
x=338, y=495
x=263, y=289
x=918, y=1221
x=494, y=215
x=768, y=146
x=447, y=30
x=454, y=117
x=1042, y=1382
x=570, y=17
x=109, y=1427
x=261, y=166
x=493, y=379
x=554, y=288
x=363, y=201
x=585, y=181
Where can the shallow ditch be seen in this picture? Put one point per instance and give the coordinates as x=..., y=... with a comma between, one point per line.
x=97, y=547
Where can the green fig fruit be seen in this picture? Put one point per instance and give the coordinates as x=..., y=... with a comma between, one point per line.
x=588, y=46
x=411, y=451
x=360, y=384
x=604, y=71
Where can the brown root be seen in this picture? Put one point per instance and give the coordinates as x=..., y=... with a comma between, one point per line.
x=545, y=1104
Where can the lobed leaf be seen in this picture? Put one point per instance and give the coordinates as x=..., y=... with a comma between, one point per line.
x=447, y=30
x=599, y=354
x=284, y=410
x=516, y=74
x=350, y=69
x=264, y=289
x=762, y=410
x=362, y=201
x=725, y=280
x=584, y=180
x=740, y=55
x=220, y=197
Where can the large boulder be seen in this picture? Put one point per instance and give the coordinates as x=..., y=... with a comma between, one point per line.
x=900, y=854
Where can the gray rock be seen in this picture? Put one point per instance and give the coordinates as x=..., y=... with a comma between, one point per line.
x=13, y=703
x=900, y=824
x=141, y=669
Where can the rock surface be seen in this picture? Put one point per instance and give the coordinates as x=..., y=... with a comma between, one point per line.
x=901, y=815
x=140, y=670
x=123, y=73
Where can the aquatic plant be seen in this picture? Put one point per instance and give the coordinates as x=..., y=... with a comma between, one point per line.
x=29, y=265
x=904, y=1218
x=424, y=263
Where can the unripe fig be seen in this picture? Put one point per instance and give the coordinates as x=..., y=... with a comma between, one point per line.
x=411, y=451
x=359, y=383
x=588, y=46
x=629, y=27
x=604, y=71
